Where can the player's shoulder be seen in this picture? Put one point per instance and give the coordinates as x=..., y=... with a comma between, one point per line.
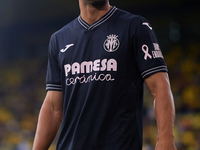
x=130, y=17
x=137, y=23
x=65, y=29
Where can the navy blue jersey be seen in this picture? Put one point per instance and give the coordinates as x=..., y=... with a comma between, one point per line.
x=100, y=69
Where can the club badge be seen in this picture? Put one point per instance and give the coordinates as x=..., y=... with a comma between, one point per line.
x=112, y=43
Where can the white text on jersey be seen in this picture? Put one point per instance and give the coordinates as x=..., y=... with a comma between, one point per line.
x=90, y=66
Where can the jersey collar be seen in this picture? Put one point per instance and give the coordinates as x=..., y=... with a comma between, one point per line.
x=99, y=22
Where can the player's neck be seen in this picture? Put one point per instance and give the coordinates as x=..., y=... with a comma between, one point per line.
x=91, y=14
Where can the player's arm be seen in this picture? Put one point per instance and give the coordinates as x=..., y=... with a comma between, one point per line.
x=49, y=121
x=159, y=87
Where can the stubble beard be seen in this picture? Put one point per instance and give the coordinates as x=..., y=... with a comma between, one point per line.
x=96, y=3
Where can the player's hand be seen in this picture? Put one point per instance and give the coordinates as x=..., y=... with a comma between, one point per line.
x=165, y=145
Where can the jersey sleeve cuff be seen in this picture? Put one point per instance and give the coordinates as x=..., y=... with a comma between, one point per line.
x=53, y=87
x=154, y=70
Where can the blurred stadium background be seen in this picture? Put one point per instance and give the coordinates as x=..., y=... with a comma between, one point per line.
x=25, y=29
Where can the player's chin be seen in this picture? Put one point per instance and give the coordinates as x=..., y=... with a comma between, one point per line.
x=98, y=3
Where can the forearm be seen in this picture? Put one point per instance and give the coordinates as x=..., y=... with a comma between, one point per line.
x=165, y=113
x=159, y=87
x=48, y=124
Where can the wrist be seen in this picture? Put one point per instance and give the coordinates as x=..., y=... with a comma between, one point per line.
x=166, y=137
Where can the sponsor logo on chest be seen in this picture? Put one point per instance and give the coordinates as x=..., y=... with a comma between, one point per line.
x=102, y=68
x=86, y=68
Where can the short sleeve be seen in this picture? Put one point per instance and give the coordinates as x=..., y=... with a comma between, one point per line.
x=147, y=52
x=53, y=78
